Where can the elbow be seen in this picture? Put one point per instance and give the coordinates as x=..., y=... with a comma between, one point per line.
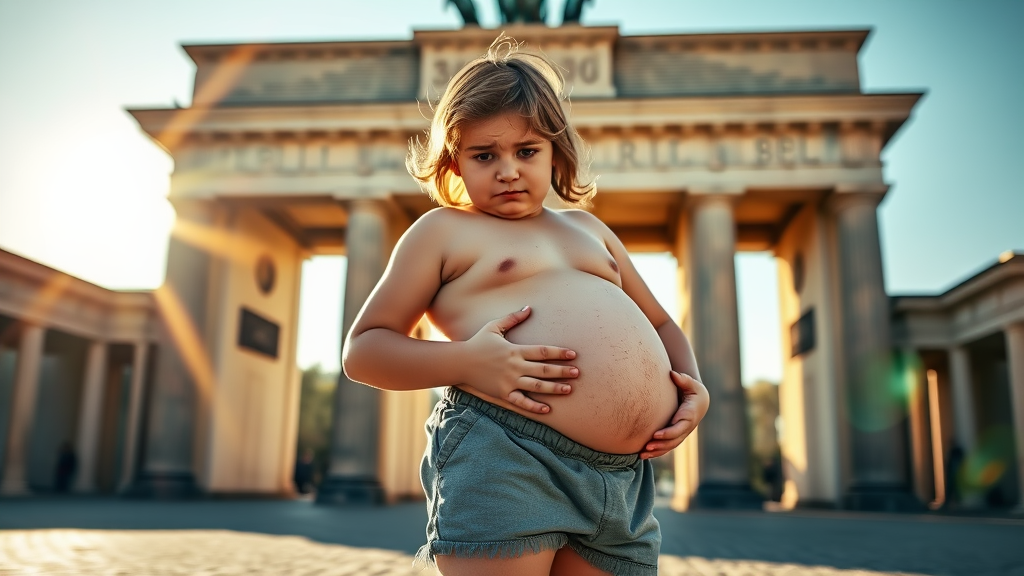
x=350, y=363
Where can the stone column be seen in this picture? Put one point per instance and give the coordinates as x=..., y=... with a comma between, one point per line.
x=724, y=440
x=965, y=426
x=133, y=428
x=962, y=388
x=90, y=414
x=1015, y=355
x=920, y=434
x=23, y=409
x=876, y=415
x=353, y=475
x=182, y=362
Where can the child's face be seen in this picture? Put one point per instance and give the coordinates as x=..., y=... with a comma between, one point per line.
x=505, y=166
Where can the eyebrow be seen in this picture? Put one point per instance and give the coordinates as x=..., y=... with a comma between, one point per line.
x=531, y=142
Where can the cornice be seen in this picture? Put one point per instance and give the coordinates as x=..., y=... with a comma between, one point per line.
x=986, y=279
x=794, y=41
x=46, y=278
x=882, y=113
x=210, y=53
x=852, y=40
x=529, y=33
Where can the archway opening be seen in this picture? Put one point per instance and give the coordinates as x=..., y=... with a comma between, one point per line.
x=757, y=296
x=318, y=357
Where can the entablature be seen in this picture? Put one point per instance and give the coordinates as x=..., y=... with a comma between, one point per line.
x=880, y=115
x=34, y=293
x=975, y=308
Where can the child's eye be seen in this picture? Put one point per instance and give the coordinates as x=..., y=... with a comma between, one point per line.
x=527, y=152
x=484, y=157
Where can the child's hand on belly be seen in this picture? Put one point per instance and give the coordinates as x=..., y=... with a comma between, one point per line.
x=692, y=408
x=507, y=371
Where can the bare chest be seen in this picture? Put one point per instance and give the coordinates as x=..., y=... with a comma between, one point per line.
x=505, y=255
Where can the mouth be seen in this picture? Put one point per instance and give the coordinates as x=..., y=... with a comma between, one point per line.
x=512, y=192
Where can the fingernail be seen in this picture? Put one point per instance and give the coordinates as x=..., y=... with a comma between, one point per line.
x=570, y=354
x=574, y=371
x=659, y=435
x=545, y=409
x=524, y=308
x=566, y=389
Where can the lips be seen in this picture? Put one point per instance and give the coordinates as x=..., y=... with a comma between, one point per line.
x=512, y=192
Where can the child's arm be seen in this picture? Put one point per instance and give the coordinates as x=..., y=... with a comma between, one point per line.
x=693, y=396
x=380, y=353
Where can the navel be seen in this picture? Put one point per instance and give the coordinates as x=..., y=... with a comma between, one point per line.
x=506, y=265
x=614, y=266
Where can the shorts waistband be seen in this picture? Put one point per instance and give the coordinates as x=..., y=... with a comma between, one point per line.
x=542, y=433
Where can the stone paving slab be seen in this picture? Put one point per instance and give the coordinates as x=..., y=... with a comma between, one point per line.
x=72, y=552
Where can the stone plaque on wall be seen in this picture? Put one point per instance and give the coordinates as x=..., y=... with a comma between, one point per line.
x=585, y=67
x=258, y=334
x=801, y=334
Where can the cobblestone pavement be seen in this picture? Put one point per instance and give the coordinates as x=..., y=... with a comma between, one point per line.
x=112, y=536
x=70, y=552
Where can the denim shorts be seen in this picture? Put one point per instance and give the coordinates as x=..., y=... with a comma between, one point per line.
x=499, y=484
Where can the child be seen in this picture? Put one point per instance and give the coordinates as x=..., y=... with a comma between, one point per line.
x=538, y=460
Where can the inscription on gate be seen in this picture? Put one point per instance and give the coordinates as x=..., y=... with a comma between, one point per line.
x=617, y=153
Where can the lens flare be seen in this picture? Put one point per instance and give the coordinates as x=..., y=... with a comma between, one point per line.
x=877, y=398
x=985, y=465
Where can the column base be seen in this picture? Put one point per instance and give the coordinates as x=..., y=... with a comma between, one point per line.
x=727, y=496
x=350, y=491
x=164, y=486
x=882, y=499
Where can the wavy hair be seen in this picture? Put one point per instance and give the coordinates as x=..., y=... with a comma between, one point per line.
x=502, y=80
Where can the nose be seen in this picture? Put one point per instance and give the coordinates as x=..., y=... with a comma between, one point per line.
x=507, y=172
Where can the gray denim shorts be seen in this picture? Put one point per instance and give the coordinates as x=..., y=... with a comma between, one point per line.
x=499, y=484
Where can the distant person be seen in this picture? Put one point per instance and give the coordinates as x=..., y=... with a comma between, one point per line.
x=67, y=464
x=538, y=460
x=771, y=474
x=303, y=476
x=953, y=465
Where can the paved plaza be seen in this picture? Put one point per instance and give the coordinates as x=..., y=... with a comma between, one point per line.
x=92, y=537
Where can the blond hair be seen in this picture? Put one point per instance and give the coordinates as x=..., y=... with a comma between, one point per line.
x=502, y=80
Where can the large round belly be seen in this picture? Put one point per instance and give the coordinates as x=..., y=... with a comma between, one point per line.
x=624, y=392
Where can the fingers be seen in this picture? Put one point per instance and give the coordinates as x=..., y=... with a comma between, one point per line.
x=505, y=324
x=533, y=385
x=684, y=382
x=551, y=371
x=537, y=386
x=679, y=429
x=526, y=403
x=666, y=440
x=534, y=353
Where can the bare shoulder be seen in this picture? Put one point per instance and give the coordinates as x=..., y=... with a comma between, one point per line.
x=434, y=228
x=588, y=221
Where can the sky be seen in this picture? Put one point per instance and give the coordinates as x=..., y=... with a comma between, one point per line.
x=82, y=189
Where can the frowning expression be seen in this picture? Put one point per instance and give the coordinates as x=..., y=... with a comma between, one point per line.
x=505, y=166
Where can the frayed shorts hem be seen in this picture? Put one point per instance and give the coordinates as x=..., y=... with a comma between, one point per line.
x=613, y=564
x=496, y=549
x=425, y=557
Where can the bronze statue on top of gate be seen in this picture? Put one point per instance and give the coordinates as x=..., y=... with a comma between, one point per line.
x=521, y=11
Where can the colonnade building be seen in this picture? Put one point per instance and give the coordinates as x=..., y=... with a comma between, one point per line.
x=705, y=144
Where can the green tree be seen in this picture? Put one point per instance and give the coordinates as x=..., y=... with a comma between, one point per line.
x=316, y=407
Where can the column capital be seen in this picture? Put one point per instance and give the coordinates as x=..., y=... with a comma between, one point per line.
x=1017, y=328
x=377, y=206
x=700, y=194
x=845, y=196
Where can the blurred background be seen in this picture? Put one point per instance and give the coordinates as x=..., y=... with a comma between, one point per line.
x=137, y=389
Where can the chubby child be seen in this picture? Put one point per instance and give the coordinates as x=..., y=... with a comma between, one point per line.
x=564, y=375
